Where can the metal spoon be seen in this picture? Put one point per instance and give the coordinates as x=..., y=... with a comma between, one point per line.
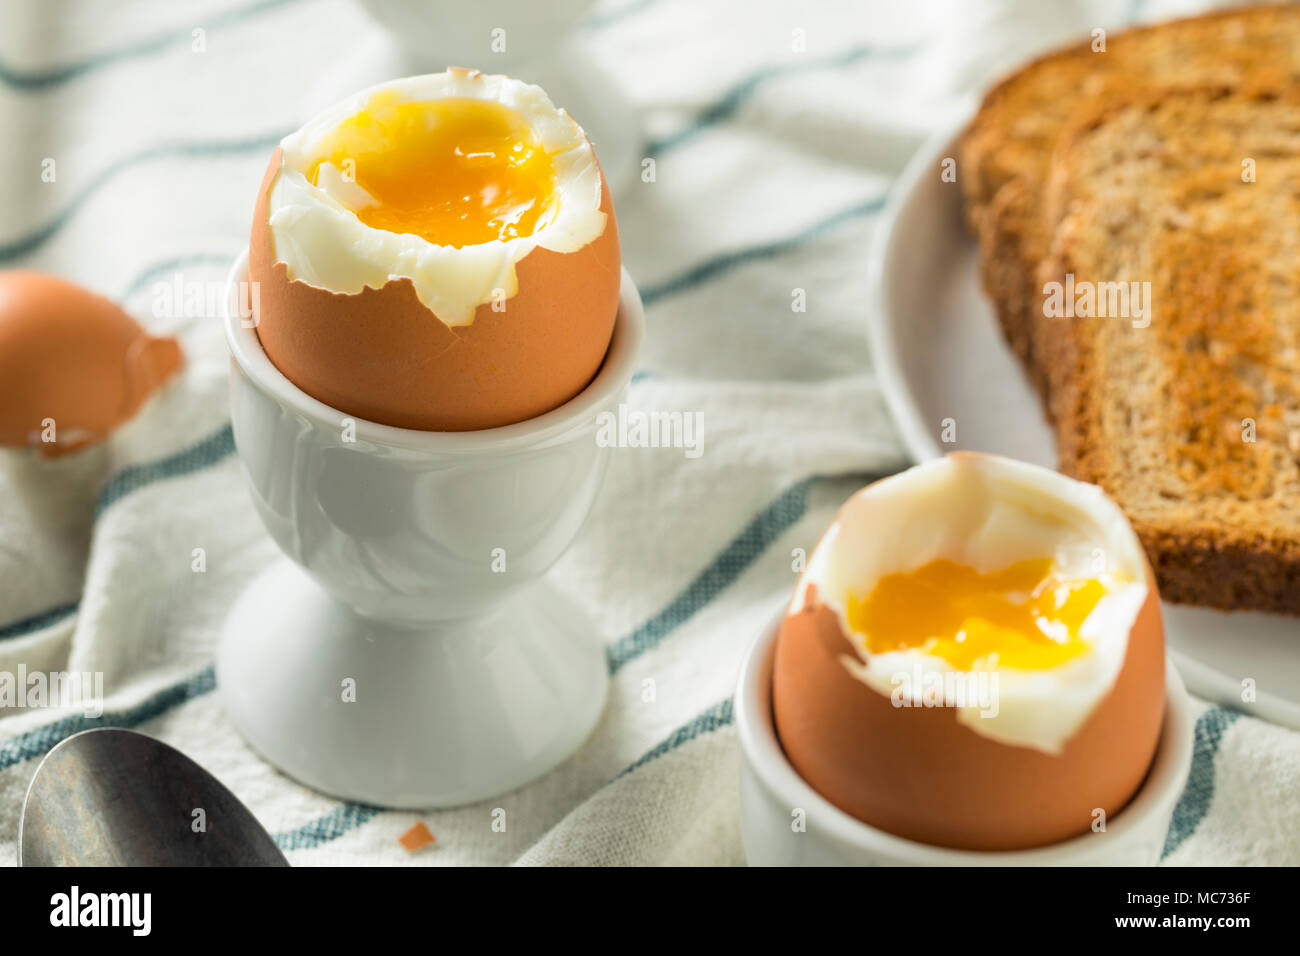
x=111, y=797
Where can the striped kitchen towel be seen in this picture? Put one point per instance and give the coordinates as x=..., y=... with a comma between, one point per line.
x=773, y=158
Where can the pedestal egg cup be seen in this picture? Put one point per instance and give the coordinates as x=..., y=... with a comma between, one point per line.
x=410, y=653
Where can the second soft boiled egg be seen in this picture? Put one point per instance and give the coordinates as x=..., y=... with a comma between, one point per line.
x=438, y=253
x=974, y=657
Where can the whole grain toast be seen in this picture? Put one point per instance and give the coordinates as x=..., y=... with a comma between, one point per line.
x=1005, y=151
x=1148, y=418
x=1188, y=415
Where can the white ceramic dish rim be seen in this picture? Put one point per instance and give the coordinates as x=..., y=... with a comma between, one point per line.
x=912, y=429
x=577, y=414
x=760, y=747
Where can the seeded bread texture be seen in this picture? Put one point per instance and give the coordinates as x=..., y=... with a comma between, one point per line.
x=1005, y=152
x=1192, y=422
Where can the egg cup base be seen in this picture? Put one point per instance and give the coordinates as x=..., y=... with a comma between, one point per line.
x=408, y=716
x=772, y=794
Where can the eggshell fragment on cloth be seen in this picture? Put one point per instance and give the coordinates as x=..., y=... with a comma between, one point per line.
x=73, y=365
x=417, y=838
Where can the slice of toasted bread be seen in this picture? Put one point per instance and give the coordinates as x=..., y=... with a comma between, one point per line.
x=1004, y=154
x=1186, y=410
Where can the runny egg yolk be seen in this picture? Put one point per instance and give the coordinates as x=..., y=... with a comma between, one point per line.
x=456, y=171
x=1026, y=616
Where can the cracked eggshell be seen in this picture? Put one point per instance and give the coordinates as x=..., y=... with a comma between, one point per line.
x=75, y=357
x=382, y=355
x=921, y=773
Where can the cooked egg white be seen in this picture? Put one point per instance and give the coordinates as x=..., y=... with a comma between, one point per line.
x=988, y=514
x=542, y=189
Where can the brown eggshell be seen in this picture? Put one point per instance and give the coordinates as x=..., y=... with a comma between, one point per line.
x=75, y=357
x=918, y=773
x=381, y=355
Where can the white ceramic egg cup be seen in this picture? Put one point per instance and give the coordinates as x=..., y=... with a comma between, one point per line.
x=395, y=660
x=771, y=790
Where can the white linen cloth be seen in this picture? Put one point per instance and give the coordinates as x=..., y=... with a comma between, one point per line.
x=772, y=164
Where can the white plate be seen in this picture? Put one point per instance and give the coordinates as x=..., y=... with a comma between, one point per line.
x=940, y=354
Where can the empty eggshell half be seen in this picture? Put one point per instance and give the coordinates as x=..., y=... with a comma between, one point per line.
x=392, y=328
x=73, y=365
x=1060, y=750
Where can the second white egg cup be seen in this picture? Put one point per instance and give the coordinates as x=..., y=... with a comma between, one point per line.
x=410, y=653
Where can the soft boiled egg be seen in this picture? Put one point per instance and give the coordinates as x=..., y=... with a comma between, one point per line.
x=439, y=253
x=974, y=657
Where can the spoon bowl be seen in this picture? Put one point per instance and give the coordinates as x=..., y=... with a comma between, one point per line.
x=112, y=797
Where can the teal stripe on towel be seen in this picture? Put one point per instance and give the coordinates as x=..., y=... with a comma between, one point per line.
x=40, y=79
x=39, y=621
x=731, y=562
x=46, y=77
x=603, y=18
x=1194, y=804
x=17, y=248
x=713, y=268
x=718, y=716
x=350, y=816
x=327, y=828
x=208, y=451
x=216, y=447
x=731, y=101
x=38, y=741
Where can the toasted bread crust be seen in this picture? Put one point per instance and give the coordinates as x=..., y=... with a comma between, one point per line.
x=1259, y=575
